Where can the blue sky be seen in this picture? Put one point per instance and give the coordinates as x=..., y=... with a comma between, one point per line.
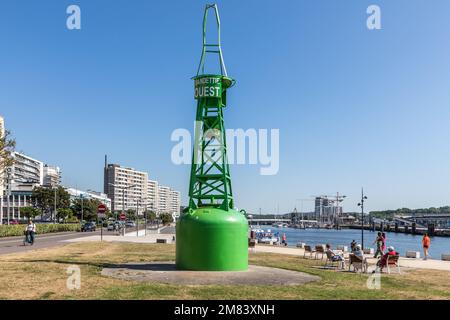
x=354, y=107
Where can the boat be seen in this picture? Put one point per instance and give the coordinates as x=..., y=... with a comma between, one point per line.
x=268, y=240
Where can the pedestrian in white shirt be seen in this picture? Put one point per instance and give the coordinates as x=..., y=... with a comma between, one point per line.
x=30, y=231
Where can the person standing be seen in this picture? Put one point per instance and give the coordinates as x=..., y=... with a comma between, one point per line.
x=383, y=246
x=353, y=246
x=379, y=242
x=284, y=239
x=426, y=245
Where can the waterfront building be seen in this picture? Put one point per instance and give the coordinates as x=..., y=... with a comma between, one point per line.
x=327, y=210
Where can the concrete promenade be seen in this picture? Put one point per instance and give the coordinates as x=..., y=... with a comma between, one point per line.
x=404, y=262
x=134, y=237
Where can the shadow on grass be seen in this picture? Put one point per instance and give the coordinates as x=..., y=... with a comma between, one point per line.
x=144, y=266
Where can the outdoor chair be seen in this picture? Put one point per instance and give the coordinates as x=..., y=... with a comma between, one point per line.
x=309, y=250
x=320, y=250
x=392, y=261
x=340, y=263
x=357, y=263
x=252, y=244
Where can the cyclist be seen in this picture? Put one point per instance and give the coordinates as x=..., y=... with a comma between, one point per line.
x=30, y=231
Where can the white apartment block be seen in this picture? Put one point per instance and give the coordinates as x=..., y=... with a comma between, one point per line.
x=2, y=178
x=125, y=187
x=77, y=194
x=118, y=185
x=168, y=200
x=152, y=199
x=26, y=173
x=52, y=176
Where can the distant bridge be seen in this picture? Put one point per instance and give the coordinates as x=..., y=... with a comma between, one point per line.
x=270, y=220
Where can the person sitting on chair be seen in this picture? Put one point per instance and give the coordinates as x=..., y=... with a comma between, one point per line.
x=353, y=245
x=334, y=256
x=383, y=260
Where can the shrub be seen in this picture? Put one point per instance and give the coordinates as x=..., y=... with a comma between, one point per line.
x=17, y=230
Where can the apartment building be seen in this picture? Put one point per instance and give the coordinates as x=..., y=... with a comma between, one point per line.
x=26, y=173
x=2, y=178
x=126, y=187
x=89, y=194
x=52, y=176
x=152, y=198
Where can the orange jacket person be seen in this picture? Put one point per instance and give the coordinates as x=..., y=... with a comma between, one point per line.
x=426, y=245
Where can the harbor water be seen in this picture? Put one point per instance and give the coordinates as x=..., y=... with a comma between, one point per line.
x=400, y=241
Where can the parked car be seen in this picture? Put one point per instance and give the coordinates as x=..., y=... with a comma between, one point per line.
x=111, y=227
x=130, y=224
x=88, y=226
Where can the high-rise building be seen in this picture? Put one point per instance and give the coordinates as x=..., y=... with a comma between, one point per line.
x=52, y=176
x=134, y=188
x=168, y=200
x=163, y=199
x=327, y=210
x=152, y=199
x=126, y=187
x=175, y=203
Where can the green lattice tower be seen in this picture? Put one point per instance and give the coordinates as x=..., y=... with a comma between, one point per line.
x=210, y=183
x=211, y=235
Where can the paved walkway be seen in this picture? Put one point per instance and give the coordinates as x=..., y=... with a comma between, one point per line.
x=165, y=272
x=404, y=262
x=133, y=237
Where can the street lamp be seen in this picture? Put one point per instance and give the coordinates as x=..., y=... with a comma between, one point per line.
x=361, y=204
x=81, y=198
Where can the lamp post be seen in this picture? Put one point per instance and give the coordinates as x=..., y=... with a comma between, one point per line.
x=338, y=212
x=137, y=218
x=82, y=209
x=8, y=193
x=361, y=204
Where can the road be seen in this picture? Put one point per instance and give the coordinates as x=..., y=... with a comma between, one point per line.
x=49, y=240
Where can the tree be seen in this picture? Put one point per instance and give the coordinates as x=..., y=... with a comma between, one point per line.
x=166, y=218
x=7, y=146
x=151, y=215
x=64, y=214
x=29, y=212
x=89, y=208
x=45, y=198
x=131, y=214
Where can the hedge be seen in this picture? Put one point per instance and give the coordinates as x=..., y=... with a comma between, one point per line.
x=17, y=230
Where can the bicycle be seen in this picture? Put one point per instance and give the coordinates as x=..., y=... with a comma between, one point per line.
x=28, y=239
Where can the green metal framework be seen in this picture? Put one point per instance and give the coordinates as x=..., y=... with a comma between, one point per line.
x=210, y=182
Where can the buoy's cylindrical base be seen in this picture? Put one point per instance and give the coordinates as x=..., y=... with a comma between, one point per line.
x=211, y=239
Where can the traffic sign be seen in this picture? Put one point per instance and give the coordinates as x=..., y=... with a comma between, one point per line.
x=122, y=216
x=101, y=211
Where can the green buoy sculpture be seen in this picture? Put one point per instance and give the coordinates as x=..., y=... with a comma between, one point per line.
x=211, y=235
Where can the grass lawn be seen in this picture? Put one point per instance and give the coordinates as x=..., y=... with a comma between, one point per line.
x=41, y=274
